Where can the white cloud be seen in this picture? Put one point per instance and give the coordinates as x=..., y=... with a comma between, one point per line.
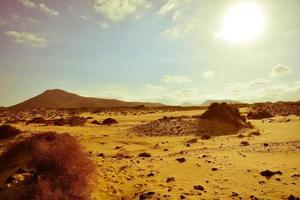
x=208, y=74
x=169, y=6
x=83, y=17
x=245, y=86
x=177, y=31
x=28, y=39
x=176, y=79
x=48, y=11
x=119, y=10
x=280, y=70
x=28, y=3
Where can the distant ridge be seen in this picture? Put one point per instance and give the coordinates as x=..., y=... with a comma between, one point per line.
x=58, y=98
x=208, y=102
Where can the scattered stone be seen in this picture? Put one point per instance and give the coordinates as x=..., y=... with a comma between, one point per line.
x=109, y=121
x=252, y=197
x=234, y=194
x=268, y=174
x=292, y=197
x=96, y=122
x=295, y=175
x=192, y=141
x=205, y=137
x=150, y=174
x=181, y=160
x=144, y=155
x=101, y=155
x=214, y=169
x=146, y=195
x=199, y=187
x=170, y=179
x=244, y=143
x=256, y=133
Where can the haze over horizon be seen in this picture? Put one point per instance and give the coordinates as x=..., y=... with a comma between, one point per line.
x=167, y=51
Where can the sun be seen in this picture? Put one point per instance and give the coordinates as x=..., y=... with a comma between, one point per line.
x=244, y=22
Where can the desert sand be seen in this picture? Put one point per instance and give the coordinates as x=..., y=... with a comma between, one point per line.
x=184, y=167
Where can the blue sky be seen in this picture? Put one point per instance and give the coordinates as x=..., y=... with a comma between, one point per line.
x=141, y=50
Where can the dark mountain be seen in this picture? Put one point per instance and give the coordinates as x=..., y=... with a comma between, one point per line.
x=61, y=99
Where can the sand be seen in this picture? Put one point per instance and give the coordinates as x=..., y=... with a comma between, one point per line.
x=221, y=165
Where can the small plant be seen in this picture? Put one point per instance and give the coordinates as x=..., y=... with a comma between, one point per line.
x=59, y=167
x=7, y=131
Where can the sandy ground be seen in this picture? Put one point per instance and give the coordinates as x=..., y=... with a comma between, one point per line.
x=220, y=165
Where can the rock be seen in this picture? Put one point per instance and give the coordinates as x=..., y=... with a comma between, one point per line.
x=181, y=160
x=9, y=180
x=150, y=174
x=146, y=195
x=268, y=174
x=252, y=197
x=256, y=133
x=192, y=141
x=266, y=144
x=292, y=197
x=109, y=121
x=101, y=155
x=182, y=197
x=199, y=187
x=234, y=194
x=170, y=179
x=214, y=169
x=96, y=122
x=244, y=143
x=21, y=171
x=295, y=175
x=120, y=156
x=205, y=137
x=144, y=155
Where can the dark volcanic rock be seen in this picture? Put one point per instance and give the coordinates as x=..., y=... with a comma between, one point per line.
x=145, y=155
x=170, y=179
x=181, y=160
x=199, y=187
x=268, y=174
x=146, y=195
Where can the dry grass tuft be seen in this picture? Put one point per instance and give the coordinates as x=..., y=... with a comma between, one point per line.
x=61, y=169
x=7, y=131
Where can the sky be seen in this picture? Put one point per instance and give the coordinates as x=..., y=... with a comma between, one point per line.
x=169, y=51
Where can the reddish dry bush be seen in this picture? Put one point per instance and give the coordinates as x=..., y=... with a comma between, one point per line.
x=7, y=131
x=62, y=170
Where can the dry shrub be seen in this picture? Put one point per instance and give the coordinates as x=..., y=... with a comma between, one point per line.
x=62, y=170
x=96, y=122
x=76, y=121
x=109, y=121
x=225, y=113
x=7, y=131
x=38, y=120
x=259, y=114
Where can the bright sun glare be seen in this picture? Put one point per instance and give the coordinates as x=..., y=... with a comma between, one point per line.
x=244, y=22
